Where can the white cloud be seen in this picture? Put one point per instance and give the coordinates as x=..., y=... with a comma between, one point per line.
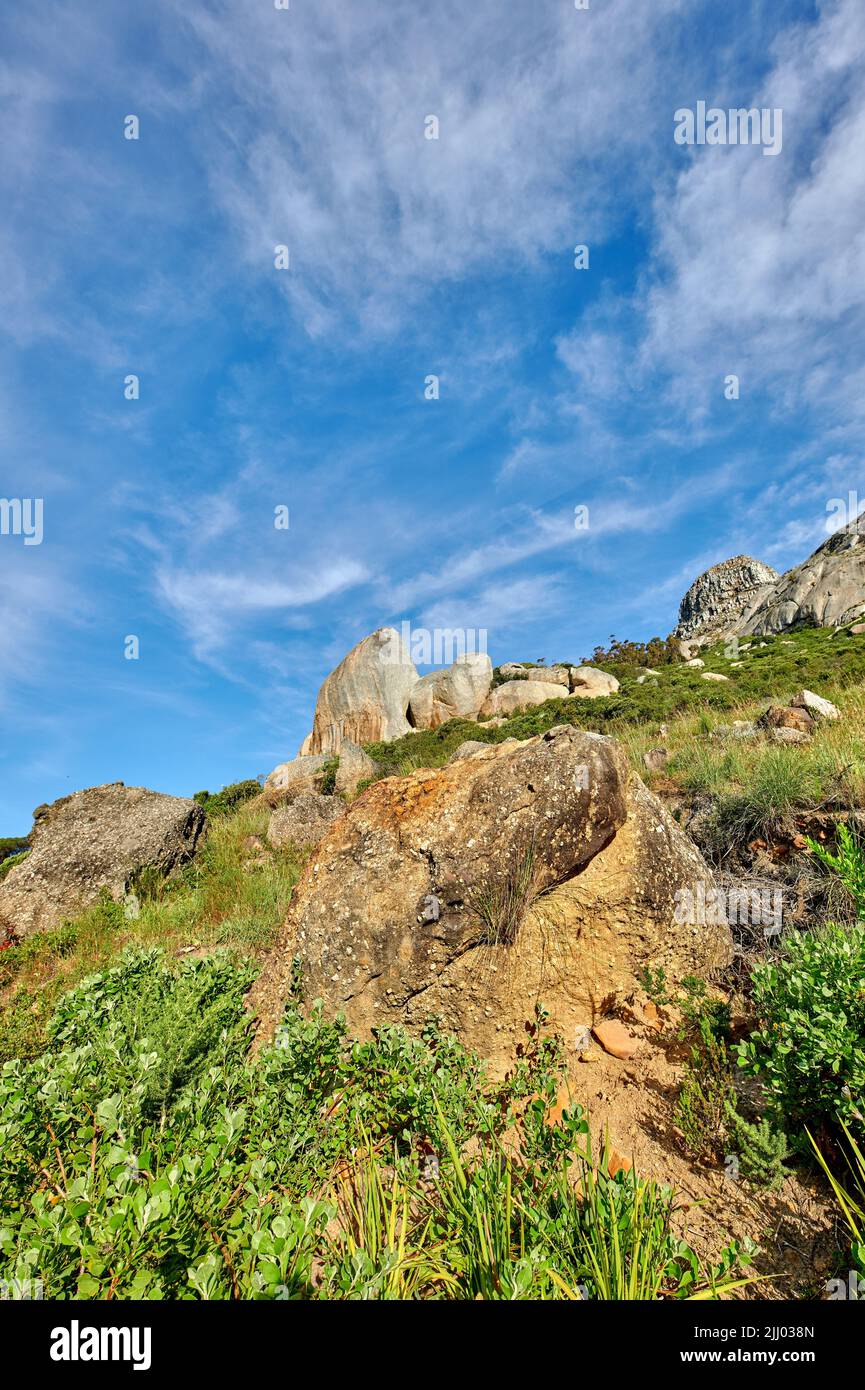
x=321, y=145
x=762, y=261
x=211, y=605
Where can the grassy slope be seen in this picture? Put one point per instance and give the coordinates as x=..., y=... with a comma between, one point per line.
x=834, y=765
x=232, y=896
x=236, y=896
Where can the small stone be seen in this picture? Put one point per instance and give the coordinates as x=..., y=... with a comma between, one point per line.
x=615, y=1038
x=781, y=717
x=431, y=909
x=790, y=736
x=618, y=1162
x=656, y=759
x=651, y=1015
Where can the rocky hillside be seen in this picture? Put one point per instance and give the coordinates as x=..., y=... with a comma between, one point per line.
x=745, y=598
x=493, y=908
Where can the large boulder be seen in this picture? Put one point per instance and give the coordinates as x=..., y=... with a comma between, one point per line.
x=456, y=692
x=826, y=590
x=366, y=698
x=540, y=871
x=101, y=838
x=816, y=706
x=304, y=821
x=745, y=598
x=516, y=695
x=587, y=682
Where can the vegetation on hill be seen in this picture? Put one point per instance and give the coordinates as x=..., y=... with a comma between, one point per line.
x=13, y=845
x=217, y=803
x=234, y=894
x=144, y=1152
x=145, y=1156
x=758, y=783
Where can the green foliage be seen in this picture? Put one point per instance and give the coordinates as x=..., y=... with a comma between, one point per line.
x=10, y=861
x=326, y=780
x=14, y=844
x=658, y=651
x=146, y=1155
x=849, y=1191
x=220, y=803
x=809, y=1046
x=427, y=747
x=654, y=982
x=707, y=1094
x=698, y=1009
x=707, y=1110
x=847, y=862
x=760, y=1148
x=227, y=896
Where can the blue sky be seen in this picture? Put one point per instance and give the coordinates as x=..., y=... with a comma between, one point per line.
x=409, y=257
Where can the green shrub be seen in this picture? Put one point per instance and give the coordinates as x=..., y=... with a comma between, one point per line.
x=847, y=863
x=15, y=844
x=10, y=861
x=809, y=1046
x=326, y=780
x=760, y=1149
x=146, y=1155
x=229, y=798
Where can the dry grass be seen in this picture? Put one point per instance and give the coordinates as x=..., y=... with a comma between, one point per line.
x=830, y=769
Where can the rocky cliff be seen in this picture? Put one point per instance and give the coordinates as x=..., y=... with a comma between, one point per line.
x=743, y=597
x=723, y=597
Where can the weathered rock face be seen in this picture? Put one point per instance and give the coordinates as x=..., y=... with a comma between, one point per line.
x=514, y=695
x=98, y=838
x=723, y=597
x=827, y=590
x=457, y=692
x=744, y=598
x=468, y=749
x=366, y=698
x=355, y=766
x=399, y=913
x=302, y=774
x=305, y=820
